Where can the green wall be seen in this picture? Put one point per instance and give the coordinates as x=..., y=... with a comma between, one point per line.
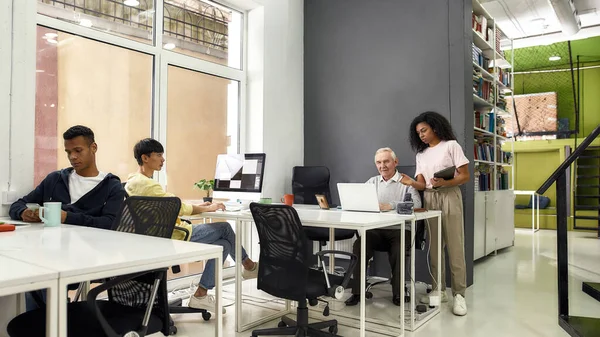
x=527, y=59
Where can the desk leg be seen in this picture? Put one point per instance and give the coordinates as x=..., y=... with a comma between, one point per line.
x=62, y=308
x=219, y=295
x=238, y=276
x=533, y=213
x=52, y=303
x=363, y=286
x=332, y=247
x=412, y=275
x=439, y=258
x=538, y=212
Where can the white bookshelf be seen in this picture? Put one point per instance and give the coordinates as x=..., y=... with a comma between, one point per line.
x=493, y=225
x=490, y=106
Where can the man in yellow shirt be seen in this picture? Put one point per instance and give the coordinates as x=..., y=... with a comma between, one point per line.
x=149, y=155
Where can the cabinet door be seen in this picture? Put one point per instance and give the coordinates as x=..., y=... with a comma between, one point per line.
x=490, y=222
x=505, y=219
x=479, y=226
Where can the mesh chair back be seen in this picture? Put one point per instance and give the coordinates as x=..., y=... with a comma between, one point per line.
x=283, y=269
x=154, y=216
x=308, y=181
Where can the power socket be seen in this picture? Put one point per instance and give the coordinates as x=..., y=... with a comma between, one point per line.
x=8, y=197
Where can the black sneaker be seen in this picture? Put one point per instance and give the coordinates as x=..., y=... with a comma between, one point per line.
x=353, y=300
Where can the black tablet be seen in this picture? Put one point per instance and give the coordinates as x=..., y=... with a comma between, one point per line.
x=446, y=174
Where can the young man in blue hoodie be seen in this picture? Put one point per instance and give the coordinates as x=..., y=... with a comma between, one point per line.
x=89, y=197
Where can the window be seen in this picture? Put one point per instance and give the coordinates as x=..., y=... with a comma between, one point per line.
x=133, y=19
x=204, y=30
x=202, y=122
x=104, y=87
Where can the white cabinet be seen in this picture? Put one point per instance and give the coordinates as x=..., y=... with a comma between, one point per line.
x=479, y=226
x=494, y=222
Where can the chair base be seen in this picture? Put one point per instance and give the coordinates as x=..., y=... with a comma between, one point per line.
x=289, y=327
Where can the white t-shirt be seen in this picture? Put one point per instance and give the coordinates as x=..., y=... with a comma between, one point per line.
x=80, y=186
x=433, y=159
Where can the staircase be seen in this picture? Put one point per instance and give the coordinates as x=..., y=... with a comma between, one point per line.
x=587, y=160
x=587, y=190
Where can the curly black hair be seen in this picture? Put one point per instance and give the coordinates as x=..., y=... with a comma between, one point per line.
x=438, y=123
x=146, y=146
x=79, y=130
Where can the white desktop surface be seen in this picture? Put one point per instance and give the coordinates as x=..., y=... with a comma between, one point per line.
x=77, y=250
x=17, y=277
x=15, y=273
x=312, y=215
x=79, y=253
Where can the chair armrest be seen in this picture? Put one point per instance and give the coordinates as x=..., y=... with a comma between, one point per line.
x=185, y=231
x=93, y=295
x=349, y=271
x=176, y=269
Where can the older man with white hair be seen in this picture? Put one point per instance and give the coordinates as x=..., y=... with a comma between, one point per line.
x=390, y=191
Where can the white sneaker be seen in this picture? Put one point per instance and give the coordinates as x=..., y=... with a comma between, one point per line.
x=460, y=305
x=444, y=297
x=250, y=274
x=206, y=302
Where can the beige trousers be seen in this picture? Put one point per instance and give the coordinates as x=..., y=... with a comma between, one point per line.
x=449, y=201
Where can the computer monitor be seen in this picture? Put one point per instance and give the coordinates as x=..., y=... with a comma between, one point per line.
x=239, y=176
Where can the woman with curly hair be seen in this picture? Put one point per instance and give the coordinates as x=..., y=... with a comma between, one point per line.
x=431, y=136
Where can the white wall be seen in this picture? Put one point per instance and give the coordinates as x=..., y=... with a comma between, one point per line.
x=5, y=66
x=18, y=116
x=283, y=93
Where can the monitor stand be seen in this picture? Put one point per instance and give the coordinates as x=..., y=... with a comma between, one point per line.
x=235, y=196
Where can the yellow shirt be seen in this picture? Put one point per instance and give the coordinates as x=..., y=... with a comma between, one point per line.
x=140, y=185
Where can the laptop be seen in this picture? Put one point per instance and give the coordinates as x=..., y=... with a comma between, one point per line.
x=359, y=197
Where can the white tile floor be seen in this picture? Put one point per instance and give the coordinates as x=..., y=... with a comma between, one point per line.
x=514, y=294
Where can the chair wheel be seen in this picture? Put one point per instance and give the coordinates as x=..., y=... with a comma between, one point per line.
x=368, y=295
x=333, y=329
x=206, y=315
x=281, y=324
x=172, y=330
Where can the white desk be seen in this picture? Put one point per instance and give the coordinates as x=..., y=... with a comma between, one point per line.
x=80, y=254
x=360, y=221
x=18, y=277
x=535, y=209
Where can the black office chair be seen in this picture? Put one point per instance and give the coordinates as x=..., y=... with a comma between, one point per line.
x=175, y=269
x=136, y=302
x=284, y=270
x=139, y=212
x=306, y=182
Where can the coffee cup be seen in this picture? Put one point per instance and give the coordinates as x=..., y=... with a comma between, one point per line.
x=288, y=199
x=50, y=214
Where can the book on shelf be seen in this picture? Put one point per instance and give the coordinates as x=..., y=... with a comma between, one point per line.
x=479, y=58
x=483, y=150
x=482, y=120
x=482, y=88
x=502, y=179
x=483, y=178
x=503, y=77
x=479, y=25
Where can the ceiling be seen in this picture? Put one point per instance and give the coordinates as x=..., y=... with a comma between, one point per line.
x=526, y=18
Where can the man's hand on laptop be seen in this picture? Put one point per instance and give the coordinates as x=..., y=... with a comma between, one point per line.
x=215, y=207
x=385, y=206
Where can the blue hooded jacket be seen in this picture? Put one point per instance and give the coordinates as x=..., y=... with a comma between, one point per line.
x=98, y=208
